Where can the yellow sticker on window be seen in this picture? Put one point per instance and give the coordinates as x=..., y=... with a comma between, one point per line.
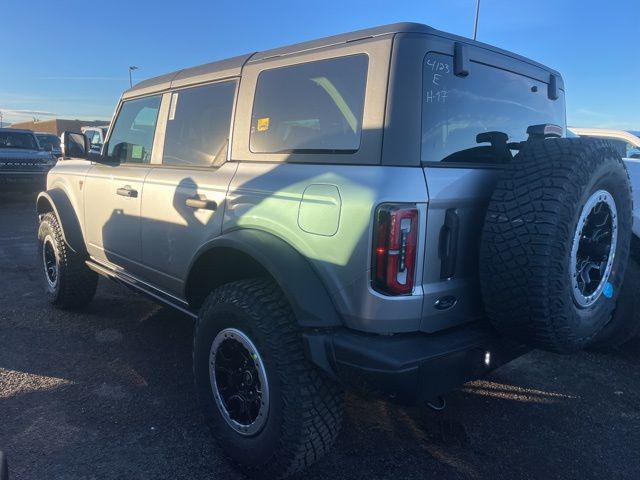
x=136, y=152
x=263, y=124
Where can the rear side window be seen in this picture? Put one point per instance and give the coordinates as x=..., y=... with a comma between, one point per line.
x=198, y=125
x=456, y=109
x=313, y=107
x=132, y=137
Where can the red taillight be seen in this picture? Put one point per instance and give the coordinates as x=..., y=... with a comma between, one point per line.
x=394, y=249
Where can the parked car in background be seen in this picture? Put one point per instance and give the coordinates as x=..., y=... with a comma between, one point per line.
x=96, y=136
x=50, y=143
x=627, y=142
x=23, y=164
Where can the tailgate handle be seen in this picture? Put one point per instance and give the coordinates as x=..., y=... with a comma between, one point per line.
x=448, y=244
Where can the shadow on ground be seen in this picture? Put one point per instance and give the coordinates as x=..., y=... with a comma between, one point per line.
x=107, y=393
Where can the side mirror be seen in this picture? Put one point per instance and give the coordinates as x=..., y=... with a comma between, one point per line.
x=74, y=145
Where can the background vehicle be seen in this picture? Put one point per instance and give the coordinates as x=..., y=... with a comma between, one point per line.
x=96, y=136
x=50, y=143
x=315, y=255
x=23, y=165
x=628, y=142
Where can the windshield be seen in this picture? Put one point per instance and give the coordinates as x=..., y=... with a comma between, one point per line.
x=45, y=140
x=18, y=140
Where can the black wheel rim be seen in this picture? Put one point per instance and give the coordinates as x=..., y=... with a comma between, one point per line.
x=50, y=262
x=239, y=382
x=594, y=247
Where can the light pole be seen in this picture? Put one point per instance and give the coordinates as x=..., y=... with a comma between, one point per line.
x=475, y=23
x=131, y=69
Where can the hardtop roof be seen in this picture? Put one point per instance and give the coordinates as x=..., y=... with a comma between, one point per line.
x=232, y=67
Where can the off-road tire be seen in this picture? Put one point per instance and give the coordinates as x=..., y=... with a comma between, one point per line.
x=305, y=408
x=76, y=284
x=527, y=238
x=625, y=321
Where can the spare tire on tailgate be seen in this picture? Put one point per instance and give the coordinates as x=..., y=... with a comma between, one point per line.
x=555, y=242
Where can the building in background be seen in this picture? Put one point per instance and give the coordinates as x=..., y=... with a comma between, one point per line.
x=58, y=125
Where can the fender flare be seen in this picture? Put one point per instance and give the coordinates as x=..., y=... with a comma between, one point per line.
x=57, y=201
x=293, y=273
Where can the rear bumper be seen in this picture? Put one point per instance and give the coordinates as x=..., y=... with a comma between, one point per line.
x=410, y=368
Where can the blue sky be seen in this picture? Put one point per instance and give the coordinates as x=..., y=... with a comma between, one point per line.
x=70, y=58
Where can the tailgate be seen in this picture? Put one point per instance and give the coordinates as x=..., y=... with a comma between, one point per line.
x=458, y=198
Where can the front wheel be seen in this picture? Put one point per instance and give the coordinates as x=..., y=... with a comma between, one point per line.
x=271, y=411
x=69, y=282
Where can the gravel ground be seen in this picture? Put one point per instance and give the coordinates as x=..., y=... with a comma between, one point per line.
x=107, y=394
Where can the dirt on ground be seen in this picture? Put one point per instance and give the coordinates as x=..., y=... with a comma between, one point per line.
x=107, y=394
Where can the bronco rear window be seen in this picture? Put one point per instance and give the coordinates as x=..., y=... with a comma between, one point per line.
x=313, y=107
x=456, y=109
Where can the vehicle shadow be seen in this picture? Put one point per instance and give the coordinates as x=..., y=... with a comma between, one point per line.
x=108, y=393
x=114, y=398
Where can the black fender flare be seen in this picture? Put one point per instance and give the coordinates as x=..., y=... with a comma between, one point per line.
x=57, y=201
x=293, y=273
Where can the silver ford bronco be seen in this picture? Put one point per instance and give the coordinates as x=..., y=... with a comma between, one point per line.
x=396, y=210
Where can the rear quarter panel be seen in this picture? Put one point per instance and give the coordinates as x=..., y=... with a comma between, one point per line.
x=326, y=213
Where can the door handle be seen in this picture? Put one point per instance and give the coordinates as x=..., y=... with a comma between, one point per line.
x=201, y=203
x=127, y=192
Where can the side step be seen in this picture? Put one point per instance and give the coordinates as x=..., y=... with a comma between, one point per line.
x=141, y=287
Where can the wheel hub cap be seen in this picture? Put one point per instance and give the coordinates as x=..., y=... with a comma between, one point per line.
x=594, y=247
x=239, y=381
x=50, y=262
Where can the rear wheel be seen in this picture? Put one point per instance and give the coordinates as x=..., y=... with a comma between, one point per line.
x=69, y=282
x=272, y=412
x=555, y=243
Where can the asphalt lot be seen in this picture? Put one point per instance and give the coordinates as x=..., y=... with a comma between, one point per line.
x=107, y=394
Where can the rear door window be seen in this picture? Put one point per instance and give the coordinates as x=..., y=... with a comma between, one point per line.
x=132, y=137
x=313, y=107
x=455, y=110
x=198, y=125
